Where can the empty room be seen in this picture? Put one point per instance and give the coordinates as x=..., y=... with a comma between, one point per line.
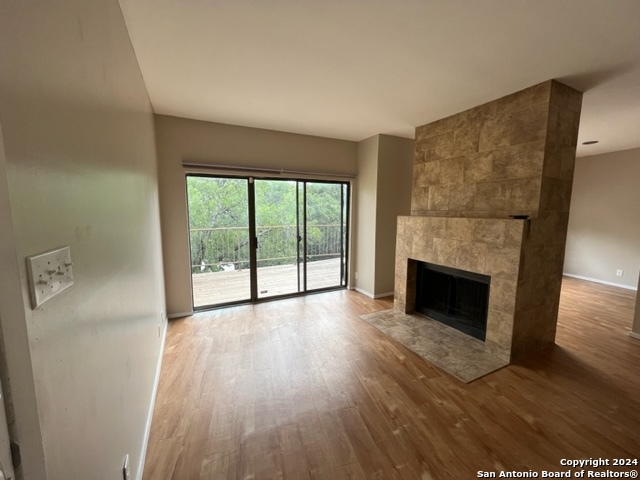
x=319, y=240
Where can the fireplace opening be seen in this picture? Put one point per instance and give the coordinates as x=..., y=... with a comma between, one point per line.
x=454, y=297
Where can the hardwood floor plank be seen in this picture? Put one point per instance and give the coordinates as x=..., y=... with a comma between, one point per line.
x=303, y=389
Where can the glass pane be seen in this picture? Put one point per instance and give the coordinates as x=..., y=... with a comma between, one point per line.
x=277, y=235
x=325, y=235
x=219, y=236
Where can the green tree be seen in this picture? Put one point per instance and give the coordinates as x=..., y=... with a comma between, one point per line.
x=219, y=221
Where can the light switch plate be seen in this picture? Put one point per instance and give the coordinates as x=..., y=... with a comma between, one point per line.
x=49, y=274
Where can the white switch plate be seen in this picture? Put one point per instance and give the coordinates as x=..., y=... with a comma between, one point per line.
x=49, y=274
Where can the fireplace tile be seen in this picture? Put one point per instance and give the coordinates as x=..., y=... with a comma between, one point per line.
x=456, y=353
x=502, y=262
x=471, y=257
x=513, y=233
x=529, y=125
x=466, y=140
x=451, y=171
x=478, y=167
x=566, y=97
x=489, y=232
x=445, y=251
x=419, y=200
x=460, y=229
x=461, y=197
x=518, y=161
x=490, y=197
x=439, y=127
x=436, y=148
x=439, y=197
x=495, y=133
x=503, y=295
x=431, y=173
x=422, y=246
x=523, y=195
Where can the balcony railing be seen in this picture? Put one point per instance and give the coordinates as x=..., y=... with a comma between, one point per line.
x=227, y=248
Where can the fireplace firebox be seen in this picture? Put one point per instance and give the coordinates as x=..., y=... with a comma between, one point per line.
x=454, y=297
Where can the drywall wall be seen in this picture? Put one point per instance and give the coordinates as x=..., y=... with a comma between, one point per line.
x=395, y=168
x=16, y=371
x=636, y=318
x=80, y=152
x=180, y=139
x=365, y=228
x=604, y=231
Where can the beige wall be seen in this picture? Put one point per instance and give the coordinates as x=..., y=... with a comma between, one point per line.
x=395, y=167
x=16, y=371
x=383, y=193
x=604, y=231
x=365, y=226
x=80, y=152
x=180, y=139
x=636, y=319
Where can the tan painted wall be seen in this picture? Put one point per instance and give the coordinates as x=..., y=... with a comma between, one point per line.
x=636, y=319
x=79, y=144
x=604, y=231
x=395, y=168
x=180, y=139
x=365, y=227
x=16, y=370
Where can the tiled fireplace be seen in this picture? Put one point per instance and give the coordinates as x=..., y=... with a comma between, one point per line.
x=472, y=172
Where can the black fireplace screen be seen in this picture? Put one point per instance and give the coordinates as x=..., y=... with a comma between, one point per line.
x=454, y=297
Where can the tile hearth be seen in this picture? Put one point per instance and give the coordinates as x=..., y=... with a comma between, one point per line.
x=456, y=353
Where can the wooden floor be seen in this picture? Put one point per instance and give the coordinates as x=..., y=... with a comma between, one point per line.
x=304, y=389
x=214, y=288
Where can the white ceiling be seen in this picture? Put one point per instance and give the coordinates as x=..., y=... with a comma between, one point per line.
x=351, y=69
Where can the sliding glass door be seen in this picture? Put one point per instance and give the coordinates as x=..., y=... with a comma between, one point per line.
x=258, y=238
x=326, y=220
x=277, y=234
x=220, y=240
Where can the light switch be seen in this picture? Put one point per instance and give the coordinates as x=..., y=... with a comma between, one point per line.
x=49, y=274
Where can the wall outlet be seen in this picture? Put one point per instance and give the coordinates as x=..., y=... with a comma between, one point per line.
x=356, y=275
x=619, y=273
x=126, y=475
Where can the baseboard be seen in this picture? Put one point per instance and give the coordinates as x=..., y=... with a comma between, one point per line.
x=156, y=381
x=634, y=335
x=179, y=315
x=382, y=295
x=603, y=282
x=371, y=295
x=364, y=292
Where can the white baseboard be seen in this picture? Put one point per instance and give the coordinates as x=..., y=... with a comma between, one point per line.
x=371, y=295
x=180, y=315
x=634, y=335
x=382, y=295
x=156, y=381
x=364, y=292
x=603, y=282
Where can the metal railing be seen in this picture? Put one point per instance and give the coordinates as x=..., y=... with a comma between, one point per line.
x=227, y=248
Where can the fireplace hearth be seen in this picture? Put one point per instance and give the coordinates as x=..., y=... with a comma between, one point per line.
x=454, y=297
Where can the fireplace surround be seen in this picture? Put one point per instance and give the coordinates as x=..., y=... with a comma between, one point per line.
x=473, y=172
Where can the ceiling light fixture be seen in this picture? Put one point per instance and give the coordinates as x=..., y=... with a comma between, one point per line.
x=590, y=142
